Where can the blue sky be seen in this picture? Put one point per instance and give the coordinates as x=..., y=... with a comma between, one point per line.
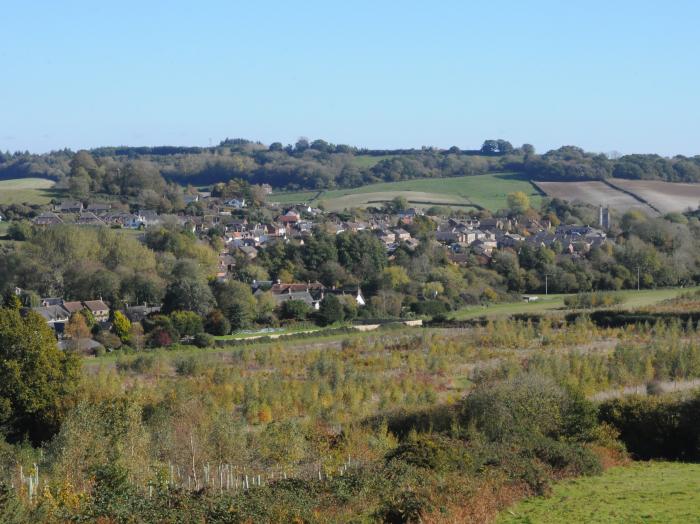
x=608, y=76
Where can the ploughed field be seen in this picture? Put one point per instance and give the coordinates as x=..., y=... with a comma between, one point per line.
x=651, y=196
x=667, y=197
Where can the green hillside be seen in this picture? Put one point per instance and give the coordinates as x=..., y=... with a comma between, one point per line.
x=658, y=492
x=487, y=191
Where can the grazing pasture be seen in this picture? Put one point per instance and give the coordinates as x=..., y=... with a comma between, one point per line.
x=631, y=299
x=478, y=191
x=27, y=191
x=653, y=492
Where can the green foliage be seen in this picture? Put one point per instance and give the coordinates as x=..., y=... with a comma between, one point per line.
x=113, y=496
x=121, y=325
x=12, y=509
x=203, y=340
x=216, y=323
x=236, y=302
x=294, y=310
x=518, y=202
x=186, y=323
x=361, y=253
x=527, y=408
x=592, y=300
x=19, y=230
x=189, y=366
x=12, y=301
x=432, y=451
x=36, y=378
x=431, y=308
x=656, y=427
x=330, y=310
x=188, y=295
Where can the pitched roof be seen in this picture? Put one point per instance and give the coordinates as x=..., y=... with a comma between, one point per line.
x=279, y=288
x=48, y=218
x=304, y=296
x=52, y=313
x=96, y=305
x=73, y=307
x=88, y=217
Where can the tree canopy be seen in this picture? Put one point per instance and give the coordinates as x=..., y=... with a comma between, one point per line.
x=36, y=378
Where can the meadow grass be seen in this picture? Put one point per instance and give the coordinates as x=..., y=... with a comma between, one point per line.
x=645, y=492
x=487, y=191
x=293, y=197
x=28, y=191
x=276, y=333
x=631, y=299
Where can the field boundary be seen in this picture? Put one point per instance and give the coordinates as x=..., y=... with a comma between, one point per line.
x=430, y=203
x=607, y=182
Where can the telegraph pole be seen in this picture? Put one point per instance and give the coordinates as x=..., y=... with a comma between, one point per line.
x=637, y=278
x=546, y=283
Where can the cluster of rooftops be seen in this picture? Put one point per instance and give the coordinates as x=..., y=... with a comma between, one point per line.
x=57, y=311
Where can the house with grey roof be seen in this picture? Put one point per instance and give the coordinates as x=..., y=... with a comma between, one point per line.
x=56, y=316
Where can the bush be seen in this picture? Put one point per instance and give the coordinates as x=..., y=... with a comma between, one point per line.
x=654, y=388
x=330, y=311
x=203, y=340
x=656, y=427
x=403, y=507
x=217, y=324
x=572, y=458
x=108, y=340
x=431, y=308
x=189, y=366
x=591, y=300
x=140, y=364
x=294, y=310
x=435, y=452
x=528, y=408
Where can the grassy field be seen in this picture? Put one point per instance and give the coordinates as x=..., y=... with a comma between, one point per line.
x=632, y=299
x=295, y=197
x=642, y=493
x=275, y=333
x=27, y=190
x=488, y=191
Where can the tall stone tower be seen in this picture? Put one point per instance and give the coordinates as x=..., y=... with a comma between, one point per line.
x=604, y=217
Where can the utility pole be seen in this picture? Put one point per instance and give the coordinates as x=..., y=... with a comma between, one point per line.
x=637, y=278
x=546, y=283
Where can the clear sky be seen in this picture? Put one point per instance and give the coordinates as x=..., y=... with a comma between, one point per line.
x=606, y=75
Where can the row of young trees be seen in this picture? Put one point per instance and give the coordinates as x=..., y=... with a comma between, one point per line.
x=310, y=417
